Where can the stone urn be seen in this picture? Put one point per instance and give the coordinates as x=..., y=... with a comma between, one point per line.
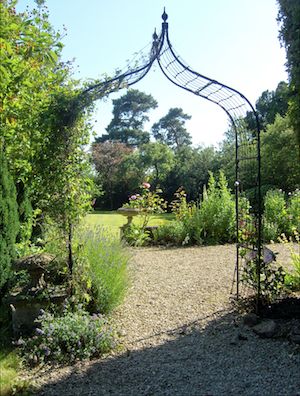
x=27, y=302
x=129, y=213
x=36, y=265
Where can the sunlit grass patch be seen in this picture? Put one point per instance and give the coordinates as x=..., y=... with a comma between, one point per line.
x=10, y=367
x=113, y=220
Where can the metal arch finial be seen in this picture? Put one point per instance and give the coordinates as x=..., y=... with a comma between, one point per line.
x=155, y=36
x=164, y=15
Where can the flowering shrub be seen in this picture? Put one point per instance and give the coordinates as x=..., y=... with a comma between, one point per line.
x=75, y=335
x=281, y=215
x=147, y=203
x=211, y=221
x=180, y=206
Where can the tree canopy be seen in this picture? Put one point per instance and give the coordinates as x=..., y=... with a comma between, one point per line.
x=109, y=159
x=157, y=159
x=130, y=112
x=171, y=130
x=289, y=18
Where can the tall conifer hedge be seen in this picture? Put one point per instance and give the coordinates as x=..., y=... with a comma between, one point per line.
x=9, y=223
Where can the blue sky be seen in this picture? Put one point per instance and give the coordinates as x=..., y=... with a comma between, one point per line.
x=232, y=41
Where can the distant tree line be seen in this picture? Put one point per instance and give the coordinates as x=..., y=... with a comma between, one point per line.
x=127, y=155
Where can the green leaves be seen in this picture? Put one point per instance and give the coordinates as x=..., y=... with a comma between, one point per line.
x=9, y=223
x=171, y=130
x=130, y=114
x=44, y=124
x=27, y=80
x=289, y=17
x=66, y=338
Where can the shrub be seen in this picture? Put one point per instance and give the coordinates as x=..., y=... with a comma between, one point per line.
x=136, y=235
x=74, y=335
x=217, y=211
x=293, y=213
x=272, y=279
x=281, y=215
x=211, y=222
x=25, y=215
x=9, y=223
x=188, y=215
x=173, y=232
x=275, y=215
x=103, y=261
x=271, y=231
x=292, y=279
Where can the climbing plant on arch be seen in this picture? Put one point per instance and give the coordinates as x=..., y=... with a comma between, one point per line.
x=247, y=143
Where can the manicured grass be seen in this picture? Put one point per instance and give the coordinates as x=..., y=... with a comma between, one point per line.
x=113, y=220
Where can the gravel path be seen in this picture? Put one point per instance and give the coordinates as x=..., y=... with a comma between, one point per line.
x=180, y=337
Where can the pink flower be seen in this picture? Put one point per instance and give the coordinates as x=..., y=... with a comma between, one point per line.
x=146, y=185
x=132, y=198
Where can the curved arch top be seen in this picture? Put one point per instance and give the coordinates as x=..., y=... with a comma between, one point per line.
x=233, y=102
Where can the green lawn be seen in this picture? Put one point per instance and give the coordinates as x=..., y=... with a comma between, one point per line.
x=113, y=220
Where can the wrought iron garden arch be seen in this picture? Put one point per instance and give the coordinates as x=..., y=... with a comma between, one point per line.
x=235, y=105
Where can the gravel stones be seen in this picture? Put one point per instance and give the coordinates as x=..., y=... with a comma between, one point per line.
x=266, y=328
x=179, y=336
x=251, y=319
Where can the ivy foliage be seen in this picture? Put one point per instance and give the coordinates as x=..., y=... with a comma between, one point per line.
x=45, y=123
x=31, y=73
x=44, y=118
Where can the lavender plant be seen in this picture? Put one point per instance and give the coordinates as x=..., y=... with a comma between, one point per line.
x=67, y=337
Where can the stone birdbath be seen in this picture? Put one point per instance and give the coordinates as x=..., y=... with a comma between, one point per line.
x=129, y=213
x=27, y=302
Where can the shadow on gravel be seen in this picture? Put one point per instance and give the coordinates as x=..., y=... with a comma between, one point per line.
x=221, y=359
